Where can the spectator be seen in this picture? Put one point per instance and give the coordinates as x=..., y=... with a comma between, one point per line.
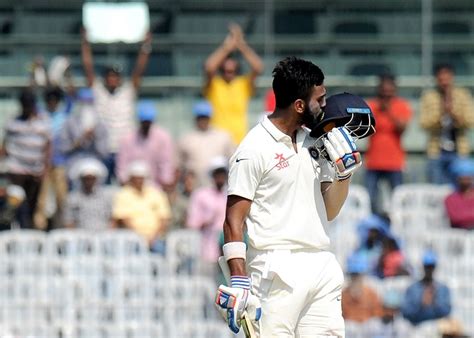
x=115, y=99
x=460, y=204
x=359, y=301
x=207, y=211
x=11, y=197
x=90, y=205
x=372, y=231
x=392, y=114
x=200, y=146
x=27, y=146
x=142, y=207
x=57, y=109
x=392, y=261
x=178, y=193
x=149, y=143
x=447, y=113
x=427, y=299
x=229, y=92
x=84, y=135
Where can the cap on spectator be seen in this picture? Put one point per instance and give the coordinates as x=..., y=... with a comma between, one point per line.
x=202, y=109
x=146, y=111
x=217, y=163
x=85, y=95
x=463, y=168
x=88, y=167
x=429, y=258
x=138, y=169
x=374, y=222
x=356, y=264
x=16, y=192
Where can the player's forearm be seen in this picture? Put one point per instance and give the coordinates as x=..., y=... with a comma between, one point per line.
x=334, y=197
x=235, y=233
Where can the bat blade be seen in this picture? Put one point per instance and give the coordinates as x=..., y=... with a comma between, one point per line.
x=247, y=326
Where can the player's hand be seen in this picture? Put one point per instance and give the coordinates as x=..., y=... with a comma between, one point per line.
x=233, y=302
x=342, y=152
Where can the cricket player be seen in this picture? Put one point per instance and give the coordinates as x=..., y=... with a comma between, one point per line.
x=284, y=187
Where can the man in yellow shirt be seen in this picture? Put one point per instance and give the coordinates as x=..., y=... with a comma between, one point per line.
x=141, y=207
x=229, y=93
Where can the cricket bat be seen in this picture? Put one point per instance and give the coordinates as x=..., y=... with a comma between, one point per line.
x=245, y=323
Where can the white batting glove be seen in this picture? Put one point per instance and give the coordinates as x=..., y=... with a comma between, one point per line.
x=342, y=151
x=236, y=300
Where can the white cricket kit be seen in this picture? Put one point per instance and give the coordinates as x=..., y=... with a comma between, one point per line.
x=288, y=209
x=297, y=280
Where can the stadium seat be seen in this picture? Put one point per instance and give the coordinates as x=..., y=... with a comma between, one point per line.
x=418, y=204
x=204, y=329
x=190, y=298
x=356, y=28
x=451, y=28
x=183, y=252
x=370, y=69
x=294, y=22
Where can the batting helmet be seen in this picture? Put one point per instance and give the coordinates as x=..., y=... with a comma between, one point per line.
x=345, y=110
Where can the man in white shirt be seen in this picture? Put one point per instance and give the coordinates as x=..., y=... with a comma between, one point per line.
x=284, y=192
x=115, y=98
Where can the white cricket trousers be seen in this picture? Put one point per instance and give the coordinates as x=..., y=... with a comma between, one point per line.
x=300, y=292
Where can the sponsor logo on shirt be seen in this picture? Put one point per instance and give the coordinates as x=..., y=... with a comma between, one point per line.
x=282, y=162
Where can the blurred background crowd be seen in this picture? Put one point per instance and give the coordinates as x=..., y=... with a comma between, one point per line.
x=101, y=138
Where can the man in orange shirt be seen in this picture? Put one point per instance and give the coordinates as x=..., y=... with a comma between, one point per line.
x=229, y=93
x=385, y=158
x=360, y=302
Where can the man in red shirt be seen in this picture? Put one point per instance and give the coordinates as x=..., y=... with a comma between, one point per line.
x=385, y=158
x=460, y=204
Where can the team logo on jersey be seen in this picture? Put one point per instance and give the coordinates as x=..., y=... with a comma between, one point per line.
x=282, y=162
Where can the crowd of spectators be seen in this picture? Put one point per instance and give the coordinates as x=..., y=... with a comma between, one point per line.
x=100, y=153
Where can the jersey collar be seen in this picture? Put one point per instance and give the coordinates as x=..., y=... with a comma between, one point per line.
x=276, y=133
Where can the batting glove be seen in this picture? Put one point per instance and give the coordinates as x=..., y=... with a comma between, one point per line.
x=234, y=301
x=342, y=152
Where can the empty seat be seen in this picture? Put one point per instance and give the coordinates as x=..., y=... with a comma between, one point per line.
x=183, y=252
x=451, y=27
x=294, y=22
x=370, y=69
x=350, y=28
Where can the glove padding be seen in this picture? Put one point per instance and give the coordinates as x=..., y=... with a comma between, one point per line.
x=342, y=152
x=234, y=302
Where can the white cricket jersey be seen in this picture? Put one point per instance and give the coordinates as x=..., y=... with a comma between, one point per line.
x=287, y=210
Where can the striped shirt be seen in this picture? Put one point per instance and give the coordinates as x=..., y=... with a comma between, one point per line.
x=91, y=212
x=117, y=110
x=26, y=143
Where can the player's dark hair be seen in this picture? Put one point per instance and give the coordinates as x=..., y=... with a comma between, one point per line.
x=293, y=79
x=443, y=66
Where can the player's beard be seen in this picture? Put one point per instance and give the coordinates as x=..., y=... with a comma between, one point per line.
x=310, y=118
